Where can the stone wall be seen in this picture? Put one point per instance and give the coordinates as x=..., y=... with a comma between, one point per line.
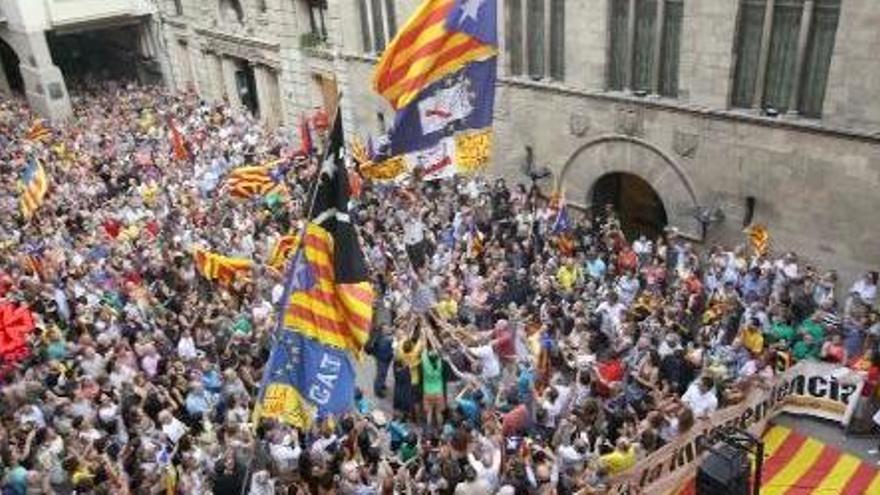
x=815, y=182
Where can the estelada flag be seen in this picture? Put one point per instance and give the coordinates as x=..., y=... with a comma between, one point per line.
x=178, y=144
x=34, y=186
x=338, y=309
x=440, y=38
x=326, y=309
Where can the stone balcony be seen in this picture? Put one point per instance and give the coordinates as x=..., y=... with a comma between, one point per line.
x=70, y=13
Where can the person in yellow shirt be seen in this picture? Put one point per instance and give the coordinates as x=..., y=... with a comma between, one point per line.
x=447, y=306
x=568, y=274
x=621, y=458
x=752, y=338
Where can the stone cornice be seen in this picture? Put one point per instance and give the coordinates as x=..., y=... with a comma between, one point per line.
x=251, y=49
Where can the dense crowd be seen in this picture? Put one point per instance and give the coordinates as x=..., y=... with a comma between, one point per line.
x=514, y=352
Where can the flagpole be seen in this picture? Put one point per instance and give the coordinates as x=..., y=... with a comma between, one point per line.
x=285, y=296
x=279, y=319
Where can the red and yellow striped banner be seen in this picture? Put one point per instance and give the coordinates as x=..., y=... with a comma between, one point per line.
x=223, y=269
x=798, y=465
x=252, y=181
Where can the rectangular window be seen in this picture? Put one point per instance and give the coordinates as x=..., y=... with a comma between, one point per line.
x=818, y=57
x=646, y=58
x=671, y=47
x=643, y=59
x=378, y=26
x=317, y=12
x=513, y=35
x=557, y=41
x=782, y=63
x=535, y=28
x=365, y=25
x=619, y=44
x=540, y=51
x=390, y=19
x=748, y=51
x=797, y=56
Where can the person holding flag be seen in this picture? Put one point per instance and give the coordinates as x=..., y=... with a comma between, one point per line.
x=34, y=186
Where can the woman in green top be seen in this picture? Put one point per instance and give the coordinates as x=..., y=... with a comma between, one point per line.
x=781, y=330
x=432, y=387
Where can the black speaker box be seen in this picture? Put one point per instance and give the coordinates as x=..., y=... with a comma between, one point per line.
x=725, y=471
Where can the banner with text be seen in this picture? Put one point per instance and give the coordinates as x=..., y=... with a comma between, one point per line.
x=821, y=390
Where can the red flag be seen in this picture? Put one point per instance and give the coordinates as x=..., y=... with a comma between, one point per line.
x=355, y=184
x=305, y=137
x=177, y=141
x=16, y=322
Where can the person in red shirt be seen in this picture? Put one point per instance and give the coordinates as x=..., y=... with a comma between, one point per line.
x=609, y=371
x=503, y=341
x=627, y=260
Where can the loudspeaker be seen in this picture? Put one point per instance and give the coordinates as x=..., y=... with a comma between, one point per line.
x=724, y=472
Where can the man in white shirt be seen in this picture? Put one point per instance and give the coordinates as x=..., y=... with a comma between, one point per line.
x=611, y=311
x=173, y=428
x=489, y=364
x=700, y=397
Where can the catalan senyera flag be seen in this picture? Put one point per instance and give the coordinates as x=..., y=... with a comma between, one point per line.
x=443, y=123
x=223, y=269
x=326, y=310
x=798, y=464
x=39, y=132
x=34, y=186
x=759, y=237
x=440, y=38
x=253, y=181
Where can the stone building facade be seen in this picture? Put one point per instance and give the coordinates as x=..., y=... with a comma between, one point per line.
x=729, y=110
x=700, y=114
x=41, y=39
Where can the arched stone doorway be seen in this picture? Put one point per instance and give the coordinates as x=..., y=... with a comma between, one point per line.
x=10, y=74
x=637, y=204
x=626, y=155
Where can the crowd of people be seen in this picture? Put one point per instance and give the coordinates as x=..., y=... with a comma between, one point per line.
x=513, y=352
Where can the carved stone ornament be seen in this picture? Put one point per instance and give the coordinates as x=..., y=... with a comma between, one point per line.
x=578, y=124
x=685, y=144
x=630, y=121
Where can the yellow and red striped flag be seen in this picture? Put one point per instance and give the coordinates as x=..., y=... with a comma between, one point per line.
x=441, y=37
x=223, y=269
x=759, y=237
x=39, y=132
x=281, y=250
x=253, y=181
x=333, y=300
x=34, y=186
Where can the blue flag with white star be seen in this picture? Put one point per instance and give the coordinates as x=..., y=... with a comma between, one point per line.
x=476, y=18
